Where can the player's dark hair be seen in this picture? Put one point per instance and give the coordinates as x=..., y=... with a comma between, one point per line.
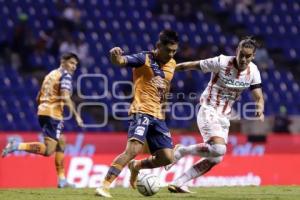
x=168, y=37
x=69, y=55
x=249, y=42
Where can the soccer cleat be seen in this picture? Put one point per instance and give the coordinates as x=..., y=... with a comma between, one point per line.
x=176, y=189
x=103, y=192
x=177, y=156
x=63, y=183
x=133, y=174
x=10, y=147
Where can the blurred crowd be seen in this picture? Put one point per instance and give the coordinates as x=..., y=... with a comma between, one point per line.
x=29, y=52
x=37, y=54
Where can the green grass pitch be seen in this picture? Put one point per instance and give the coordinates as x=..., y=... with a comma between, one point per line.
x=219, y=193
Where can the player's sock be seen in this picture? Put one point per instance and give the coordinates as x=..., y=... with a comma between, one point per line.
x=113, y=172
x=198, y=169
x=195, y=149
x=59, y=165
x=33, y=147
x=203, y=149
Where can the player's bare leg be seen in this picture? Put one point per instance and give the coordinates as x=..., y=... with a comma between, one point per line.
x=132, y=149
x=160, y=158
x=45, y=149
x=134, y=172
x=177, y=155
x=59, y=164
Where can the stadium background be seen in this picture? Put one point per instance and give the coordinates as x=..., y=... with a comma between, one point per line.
x=35, y=33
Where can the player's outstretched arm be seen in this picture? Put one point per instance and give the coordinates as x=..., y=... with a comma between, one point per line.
x=116, y=56
x=192, y=65
x=70, y=104
x=260, y=103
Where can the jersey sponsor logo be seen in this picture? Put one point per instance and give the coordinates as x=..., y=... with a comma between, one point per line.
x=234, y=83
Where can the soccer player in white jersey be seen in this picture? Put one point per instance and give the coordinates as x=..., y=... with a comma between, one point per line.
x=230, y=75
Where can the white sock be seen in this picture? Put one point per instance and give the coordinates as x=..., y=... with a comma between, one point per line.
x=185, y=177
x=198, y=169
x=202, y=149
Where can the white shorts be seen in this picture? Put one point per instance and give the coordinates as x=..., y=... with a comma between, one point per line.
x=211, y=123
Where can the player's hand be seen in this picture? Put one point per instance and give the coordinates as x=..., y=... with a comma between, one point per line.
x=79, y=121
x=116, y=51
x=116, y=56
x=260, y=116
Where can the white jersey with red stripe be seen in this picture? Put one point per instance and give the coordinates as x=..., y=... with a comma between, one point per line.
x=227, y=82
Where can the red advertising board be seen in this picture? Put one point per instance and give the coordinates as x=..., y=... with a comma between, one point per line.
x=275, y=161
x=38, y=171
x=89, y=144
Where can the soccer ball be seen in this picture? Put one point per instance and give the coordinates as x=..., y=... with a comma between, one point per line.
x=147, y=184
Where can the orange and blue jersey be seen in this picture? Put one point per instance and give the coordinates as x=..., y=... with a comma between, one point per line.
x=149, y=98
x=50, y=102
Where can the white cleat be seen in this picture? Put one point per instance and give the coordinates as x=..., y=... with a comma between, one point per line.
x=177, y=156
x=103, y=192
x=63, y=183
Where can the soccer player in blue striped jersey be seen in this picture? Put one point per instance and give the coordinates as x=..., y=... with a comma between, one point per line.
x=152, y=75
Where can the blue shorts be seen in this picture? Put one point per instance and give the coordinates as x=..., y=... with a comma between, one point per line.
x=51, y=128
x=144, y=127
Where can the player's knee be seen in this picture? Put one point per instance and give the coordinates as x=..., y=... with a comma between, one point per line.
x=218, y=149
x=133, y=148
x=51, y=146
x=215, y=160
x=48, y=152
x=61, y=145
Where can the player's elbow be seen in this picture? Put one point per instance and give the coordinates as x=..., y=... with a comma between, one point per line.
x=48, y=152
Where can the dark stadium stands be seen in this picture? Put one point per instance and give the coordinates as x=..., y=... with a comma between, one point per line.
x=134, y=26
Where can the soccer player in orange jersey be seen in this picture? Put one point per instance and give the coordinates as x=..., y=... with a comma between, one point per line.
x=54, y=94
x=152, y=74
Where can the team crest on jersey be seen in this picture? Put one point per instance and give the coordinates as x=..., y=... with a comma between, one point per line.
x=139, y=130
